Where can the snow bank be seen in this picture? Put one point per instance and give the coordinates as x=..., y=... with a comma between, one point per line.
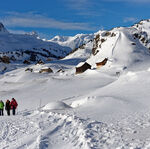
x=82, y=101
x=58, y=105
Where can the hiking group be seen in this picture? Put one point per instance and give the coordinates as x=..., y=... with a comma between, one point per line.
x=8, y=106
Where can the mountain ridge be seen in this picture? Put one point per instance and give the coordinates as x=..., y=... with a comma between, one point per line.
x=123, y=46
x=25, y=46
x=92, y=48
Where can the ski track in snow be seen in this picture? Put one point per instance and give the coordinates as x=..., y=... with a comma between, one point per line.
x=47, y=129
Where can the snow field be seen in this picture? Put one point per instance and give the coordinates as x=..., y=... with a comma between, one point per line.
x=92, y=115
x=49, y=129
x=101, y=108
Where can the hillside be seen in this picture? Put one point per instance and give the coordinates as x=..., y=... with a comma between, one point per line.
x=20, y=47
x=124, y=47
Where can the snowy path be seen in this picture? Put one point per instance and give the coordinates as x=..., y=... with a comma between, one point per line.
x=51, y=130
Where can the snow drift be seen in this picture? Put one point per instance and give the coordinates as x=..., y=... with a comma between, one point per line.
x=59, y=105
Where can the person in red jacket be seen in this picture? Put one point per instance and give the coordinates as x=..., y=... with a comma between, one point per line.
x=13, y=105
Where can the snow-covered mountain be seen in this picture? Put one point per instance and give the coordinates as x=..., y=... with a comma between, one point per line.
x=123, y=46
x=20, y=47
x=73, y=41
x=143, y=26
x=122, y=49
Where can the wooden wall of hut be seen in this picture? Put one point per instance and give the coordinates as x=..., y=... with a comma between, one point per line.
x=83, y=68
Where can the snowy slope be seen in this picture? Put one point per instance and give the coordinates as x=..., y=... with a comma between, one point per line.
x=122, y=46
x=94, y=110
x=83, y=52
x=121, y=49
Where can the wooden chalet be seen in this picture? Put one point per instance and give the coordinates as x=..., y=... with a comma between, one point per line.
x=83, y=68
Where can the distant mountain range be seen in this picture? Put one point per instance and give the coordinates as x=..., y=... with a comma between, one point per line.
x=122, y=46
x=73, y=42
x=28, y=47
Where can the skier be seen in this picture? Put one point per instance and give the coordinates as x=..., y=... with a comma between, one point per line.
x=1, y=108
x=13, y=105
x=7, y=107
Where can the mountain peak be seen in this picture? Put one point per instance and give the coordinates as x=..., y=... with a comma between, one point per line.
x=2, y=28
x=72, y=41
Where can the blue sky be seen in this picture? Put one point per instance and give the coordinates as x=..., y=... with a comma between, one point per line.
x=70, y=17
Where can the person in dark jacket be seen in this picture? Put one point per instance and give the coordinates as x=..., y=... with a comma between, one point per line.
x=1, y=108
x=13, y=105
x=7, y=107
